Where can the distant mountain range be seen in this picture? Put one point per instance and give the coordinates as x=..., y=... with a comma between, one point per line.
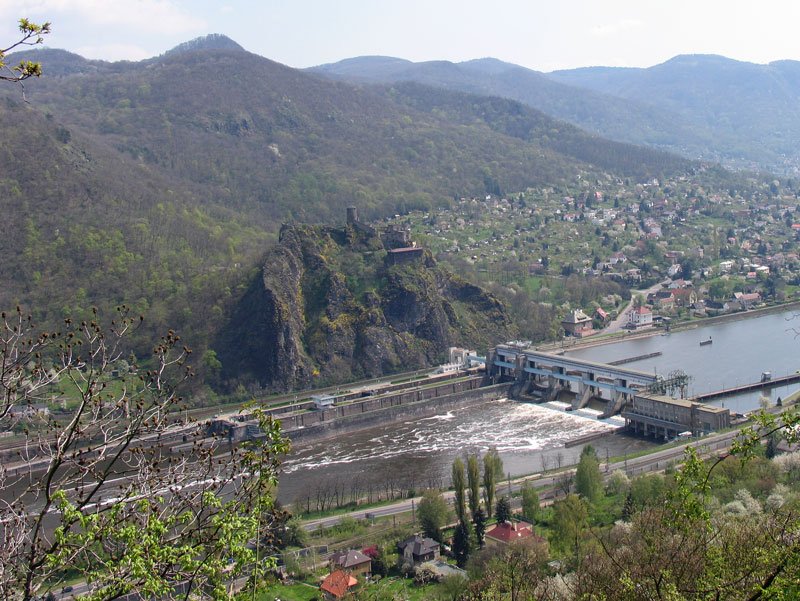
x=701, y=106
x=160, y=183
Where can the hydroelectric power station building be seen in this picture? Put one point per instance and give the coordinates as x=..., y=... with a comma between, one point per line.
x=640, y=397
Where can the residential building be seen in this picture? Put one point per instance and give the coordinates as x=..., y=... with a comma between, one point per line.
x=618, y=257
x=508, y=532
x=577, y=323
x=640, y=317
x=352, y=561
x=748, y=300
x=684, y=297
x=664, y=300
x=337, y=584
x=418, y=549
x=28, y=410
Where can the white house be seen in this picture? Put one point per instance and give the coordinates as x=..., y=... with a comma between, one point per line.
x=640, y=317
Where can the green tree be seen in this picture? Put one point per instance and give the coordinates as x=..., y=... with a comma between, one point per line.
x=719, y=290
x=492, y=472
x=683, y=549
x=771, y=448
x=588, y=480
x=479, y=520
x=628, y=508
x=502, y=511
x=517, y=571
x=212, y=366
x=474, y=484
x=452, y=588
x=530, y=503
x=382, y=559
x=648, y=490
x=570, y=518
x=462, y=543
x=686, y=547
x=432, y=513
x=688, y=266
x=459, y=485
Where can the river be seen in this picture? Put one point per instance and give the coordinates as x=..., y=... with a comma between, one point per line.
x=412, y=455
x=740, y=351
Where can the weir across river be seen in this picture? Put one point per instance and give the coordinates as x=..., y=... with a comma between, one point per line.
x=639, y=396
x=761, y=384
x=551, y=374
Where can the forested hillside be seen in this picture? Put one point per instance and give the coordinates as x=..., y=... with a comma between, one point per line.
x=598, y=111
x=283, y=144
x=162, y=183
x=700, y=106
x=751, y=109
x=87, y=226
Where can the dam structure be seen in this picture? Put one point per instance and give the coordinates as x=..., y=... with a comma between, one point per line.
x=544, y=375
x=640, y=397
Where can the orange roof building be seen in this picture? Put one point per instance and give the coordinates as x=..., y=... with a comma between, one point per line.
x=337, y=583
x=508, y=532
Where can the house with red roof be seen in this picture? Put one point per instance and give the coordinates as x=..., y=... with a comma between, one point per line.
x=639, y=318
x=337, y=584
x=748, y=300
x=509, y=532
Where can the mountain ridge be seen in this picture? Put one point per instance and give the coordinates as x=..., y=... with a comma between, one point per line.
x=700, y=106
x=599, y=113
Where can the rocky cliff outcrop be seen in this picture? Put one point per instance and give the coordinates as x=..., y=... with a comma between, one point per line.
x=327, y=307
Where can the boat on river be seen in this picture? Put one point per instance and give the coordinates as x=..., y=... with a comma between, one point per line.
x=705, y=342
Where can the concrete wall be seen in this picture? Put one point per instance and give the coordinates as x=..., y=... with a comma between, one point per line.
x=425, y=406
x=378, y=403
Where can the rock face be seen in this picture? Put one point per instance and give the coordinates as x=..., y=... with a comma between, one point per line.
x=327, y=307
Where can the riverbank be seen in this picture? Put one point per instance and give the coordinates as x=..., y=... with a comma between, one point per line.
x=569, y=344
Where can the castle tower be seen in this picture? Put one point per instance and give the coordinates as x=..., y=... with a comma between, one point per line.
x=352, y=215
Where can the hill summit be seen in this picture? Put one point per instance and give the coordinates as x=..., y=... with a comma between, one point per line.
x=335, y=304
x=212, y=41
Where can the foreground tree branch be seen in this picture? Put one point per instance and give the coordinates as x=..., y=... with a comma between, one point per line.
x=114, y=490
x=32, y=34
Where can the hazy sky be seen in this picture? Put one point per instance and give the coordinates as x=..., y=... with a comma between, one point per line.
x=539, y=34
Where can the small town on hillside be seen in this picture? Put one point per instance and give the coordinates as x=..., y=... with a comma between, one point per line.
x=693, y=254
